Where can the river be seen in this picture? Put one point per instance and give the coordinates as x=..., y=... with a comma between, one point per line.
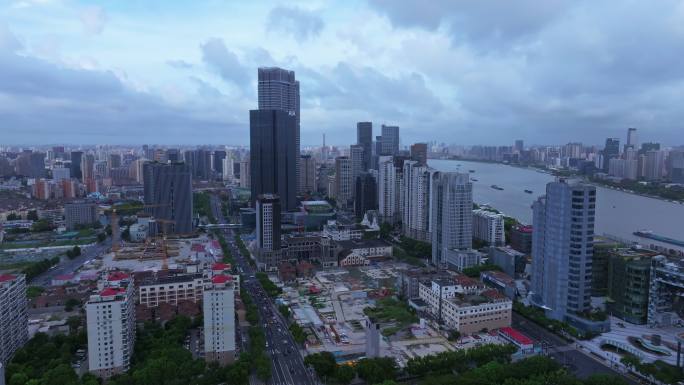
x=617, y=213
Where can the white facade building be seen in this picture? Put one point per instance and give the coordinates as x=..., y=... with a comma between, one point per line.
x=466, y=305
x=388, y=200
x=171, y=290
x=13, y=315
x=61, y=173
x=228, y=167
x=110, y=322
x=489, y=227
x=219, y=319
x=452, y=215
x=359, y=253
x=338, y=232
x=343, y=181
x=415, y=190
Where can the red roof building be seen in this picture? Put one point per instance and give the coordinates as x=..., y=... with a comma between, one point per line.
x=220, y=266
x=6, y=277
x=518, y=339
x=110, y=291
x=117, y=276
x=221, y=279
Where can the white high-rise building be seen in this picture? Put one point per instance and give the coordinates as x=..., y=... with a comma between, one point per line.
x=562, y=248
x=489, y=227
x=13, y=315
x=219, y=319
x=452, y=215
x=61, y=173
x=357, y=156
x=623, y=168
x=245, y=176
x=343, y=181
x=653, y=163
x=110, y=322
x=228, y=167
x=415, y=189
x=387, y=190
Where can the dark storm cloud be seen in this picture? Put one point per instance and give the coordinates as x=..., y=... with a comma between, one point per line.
x=554, y=71
x=345, y=87
x=225, y=62
x=44, y=102
x=484, y=23
x=299, y=23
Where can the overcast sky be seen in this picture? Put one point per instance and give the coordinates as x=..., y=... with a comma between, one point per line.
x=458, y=71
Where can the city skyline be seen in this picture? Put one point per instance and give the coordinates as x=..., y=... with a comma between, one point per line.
x=109, y=75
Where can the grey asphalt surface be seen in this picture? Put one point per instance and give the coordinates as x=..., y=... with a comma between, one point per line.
x=287, y=364
x=67, y=265
x=580, y=363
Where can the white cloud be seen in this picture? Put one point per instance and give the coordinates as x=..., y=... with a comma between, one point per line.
x=94, y=20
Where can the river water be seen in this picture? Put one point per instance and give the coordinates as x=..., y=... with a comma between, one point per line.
x=617, y=213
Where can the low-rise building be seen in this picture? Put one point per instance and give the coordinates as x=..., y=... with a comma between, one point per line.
x=521, y=238
x=501, y=281
x=666, y=291
x=511, y=261
x=339, y=232
x=458, y=259
x=361, y=252
x=465, y=305
x=172, y=289
x=489, y=227
x=79, y=213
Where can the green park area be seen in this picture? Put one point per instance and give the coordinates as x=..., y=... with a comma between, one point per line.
x=396, y=314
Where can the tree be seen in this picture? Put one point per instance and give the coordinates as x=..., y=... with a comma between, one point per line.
x=13, y=217
x=344, y=374
x=32, y=215
x=34, y=291
x=323, y=363
x=454, y=335
x=71, y=303
x=74, y=252
x=375, y=370
x=385, y=230
x=40, y=226
x=18, y=379
x=284, y=310
x=101, y=237
x=74, y=322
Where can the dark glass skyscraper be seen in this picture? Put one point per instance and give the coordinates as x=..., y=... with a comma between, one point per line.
x=279, y=90
x=390, y=140
x=76, y=164
x=273, y=155
x=168, y=188
x=419, y=153
x=610, y=151
x=366, y=194
x=364, y=138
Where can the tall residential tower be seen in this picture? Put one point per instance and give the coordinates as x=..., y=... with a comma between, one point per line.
x=562, y=248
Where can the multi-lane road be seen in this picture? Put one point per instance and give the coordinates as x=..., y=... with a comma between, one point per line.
x=287, y=364
x=68, y=266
